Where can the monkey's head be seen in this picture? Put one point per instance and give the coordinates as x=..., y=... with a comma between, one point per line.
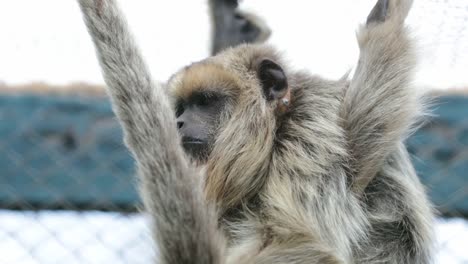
x=227, y=108
x=242, y=113
x=208, y=94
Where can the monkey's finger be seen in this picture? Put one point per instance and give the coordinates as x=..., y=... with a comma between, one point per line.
x=379, y=13
x=385, y=10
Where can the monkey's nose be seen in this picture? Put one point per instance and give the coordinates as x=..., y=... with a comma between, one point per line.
x=180, y=124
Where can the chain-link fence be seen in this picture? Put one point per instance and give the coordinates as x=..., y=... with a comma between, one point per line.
x=66, y=153
x=62, y=152
x=67, y=191
x=440, y=154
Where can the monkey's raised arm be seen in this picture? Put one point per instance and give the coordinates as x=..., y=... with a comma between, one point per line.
x=185, y=227
x=379, y=107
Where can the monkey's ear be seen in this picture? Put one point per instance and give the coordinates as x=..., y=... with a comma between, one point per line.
x=273, y=79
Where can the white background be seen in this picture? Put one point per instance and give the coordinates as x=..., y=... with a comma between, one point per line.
x=46, y=40
x=96, y=237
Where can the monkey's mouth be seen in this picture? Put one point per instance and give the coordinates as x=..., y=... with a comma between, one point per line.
x=195, y=147
x=192, y=141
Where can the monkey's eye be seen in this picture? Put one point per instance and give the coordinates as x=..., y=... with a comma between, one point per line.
x=179, y=109
x=203, y=99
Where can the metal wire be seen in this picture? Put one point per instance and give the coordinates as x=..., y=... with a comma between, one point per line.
x=67, y=191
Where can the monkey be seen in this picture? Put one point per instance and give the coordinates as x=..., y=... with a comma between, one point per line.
x=231, y=27
x=241, y=159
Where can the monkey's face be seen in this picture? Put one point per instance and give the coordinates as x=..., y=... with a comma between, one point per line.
x=209, y=95
x=203, y=95
x=198, y=117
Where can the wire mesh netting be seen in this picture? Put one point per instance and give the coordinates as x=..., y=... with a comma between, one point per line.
x=67, y=191
x=67, y=153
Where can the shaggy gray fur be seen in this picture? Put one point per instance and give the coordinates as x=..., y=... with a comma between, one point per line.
x=170, y=191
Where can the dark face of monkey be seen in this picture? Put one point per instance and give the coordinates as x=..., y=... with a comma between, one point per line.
x=205, y=94
x=197, y=120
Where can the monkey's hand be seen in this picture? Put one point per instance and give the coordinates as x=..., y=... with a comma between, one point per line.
x=232, y=27
x=394, y=11
x=379, y=107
